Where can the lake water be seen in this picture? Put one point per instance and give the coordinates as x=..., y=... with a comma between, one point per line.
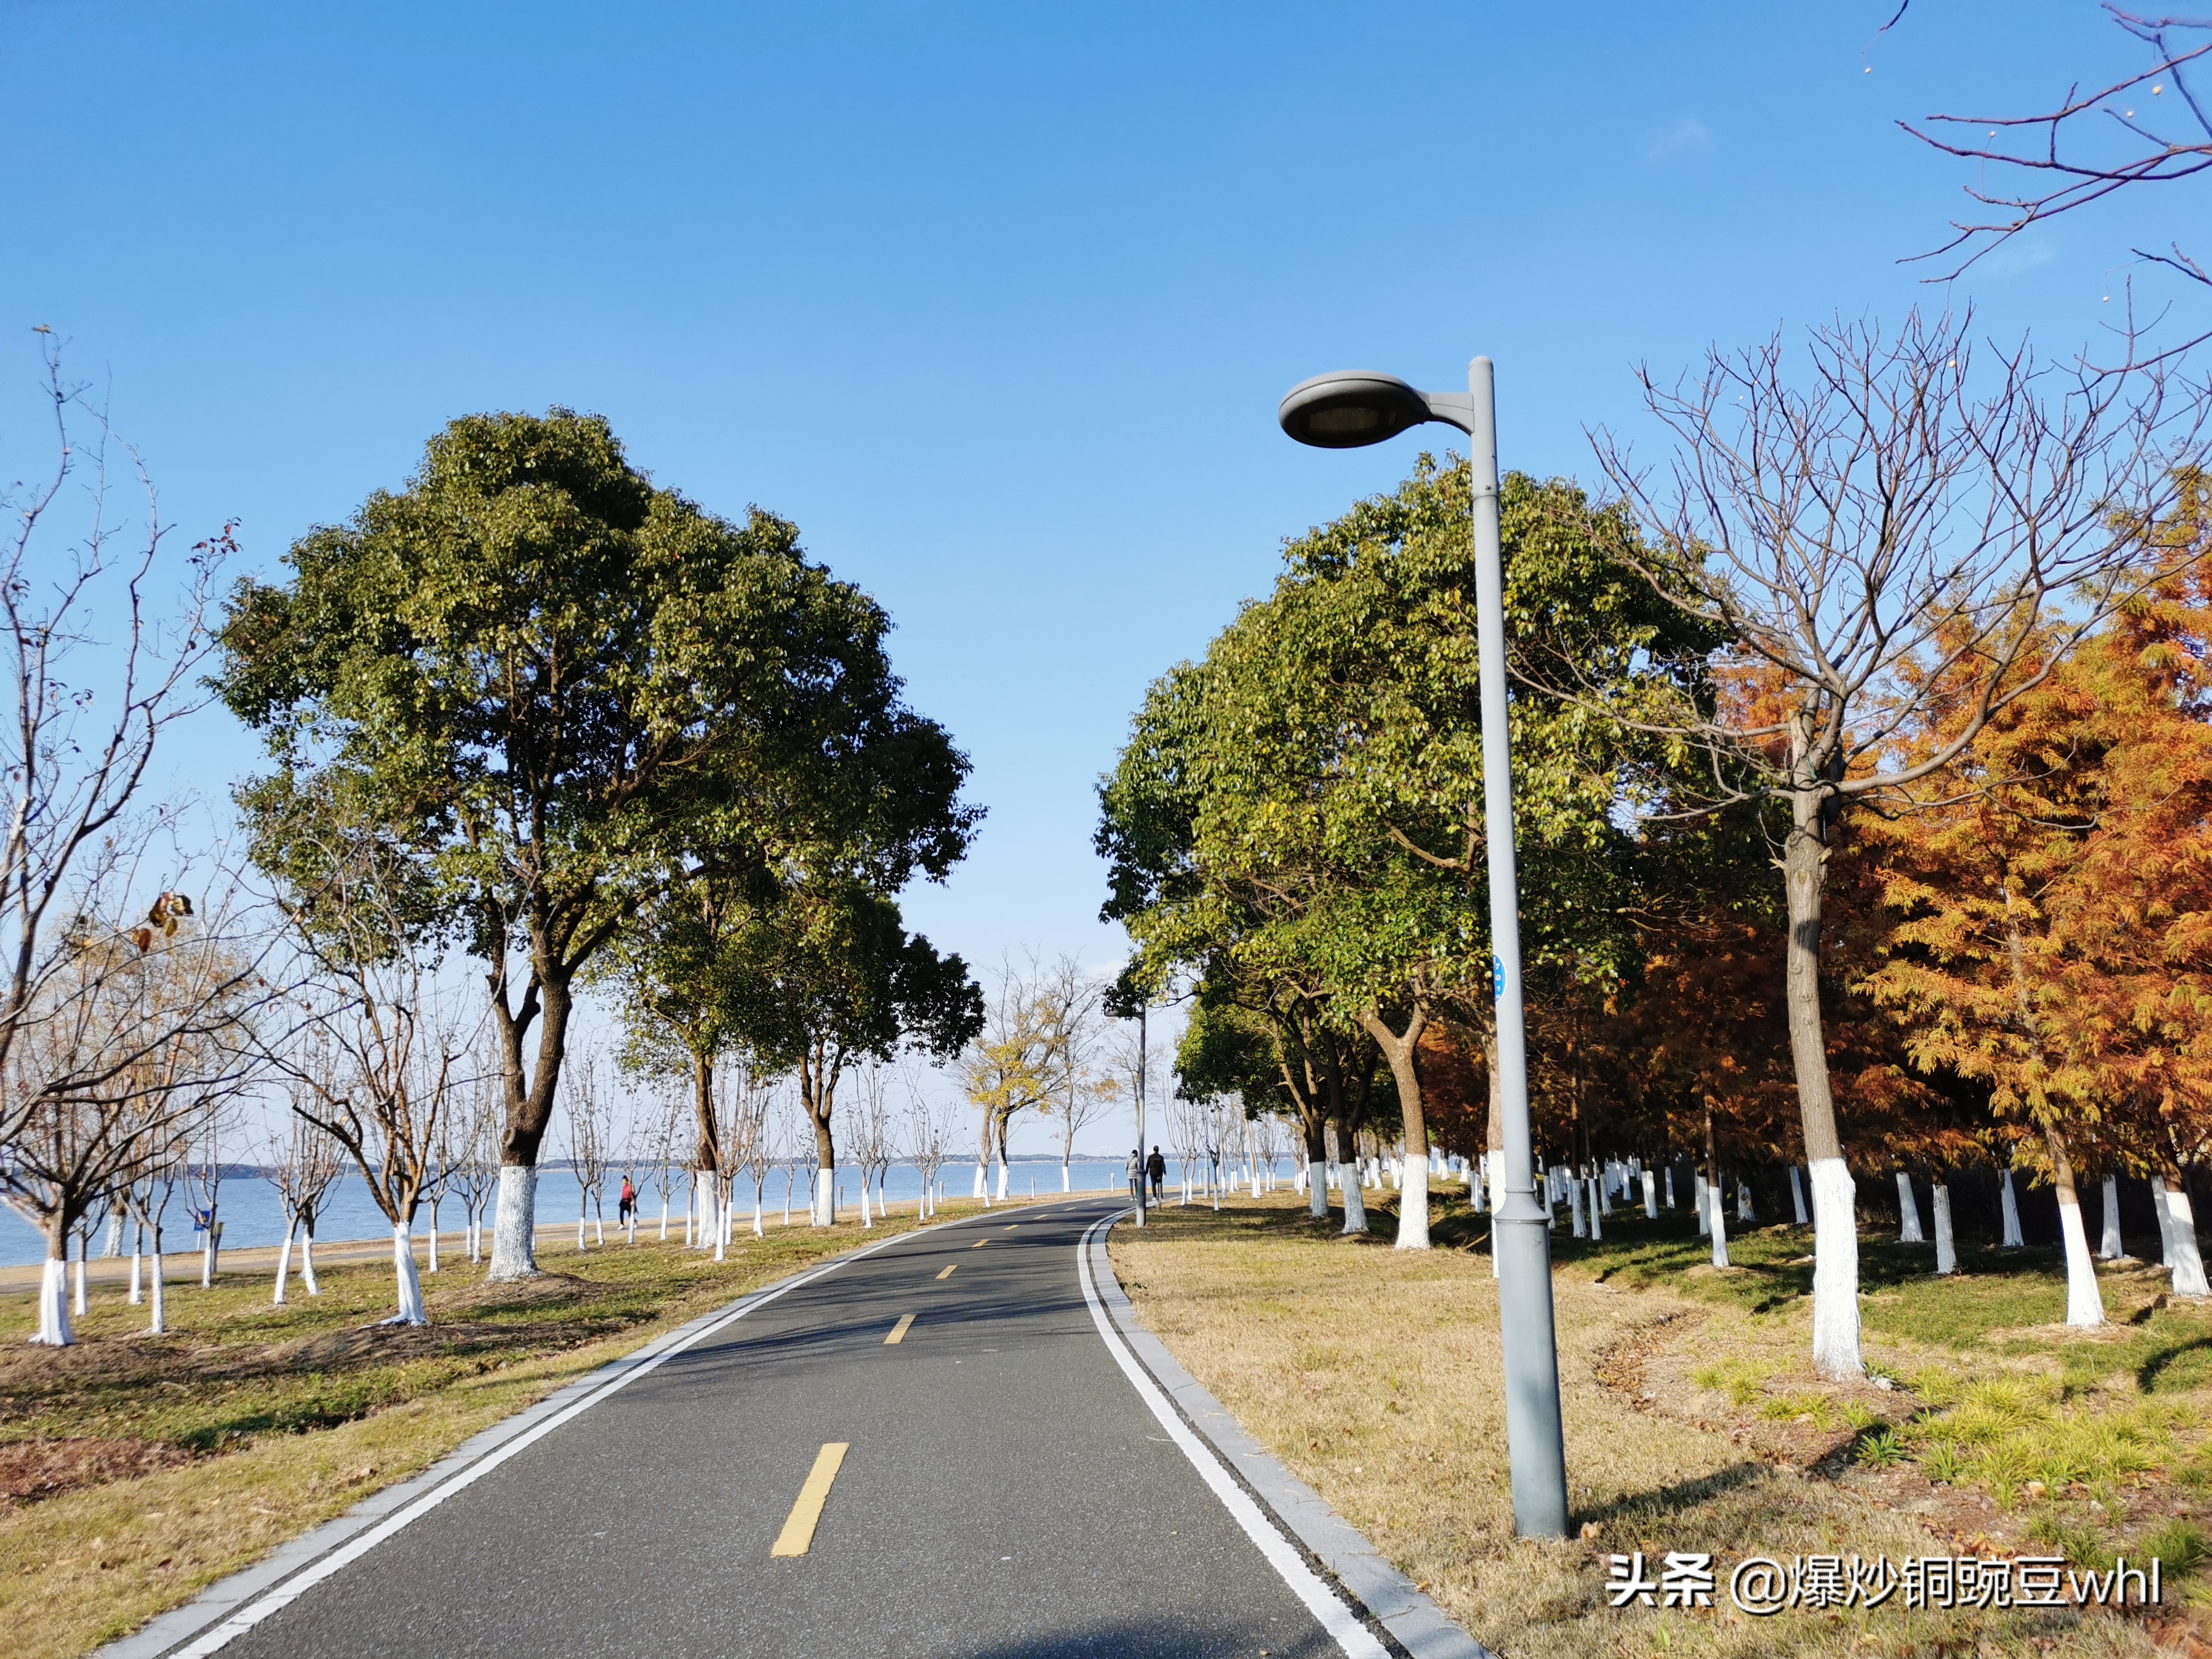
x=251, y=1215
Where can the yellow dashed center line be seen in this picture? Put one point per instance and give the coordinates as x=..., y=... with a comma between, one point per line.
x=899, y=1330
x=979, y=1244
x=947, y=1273
x=798, y=1532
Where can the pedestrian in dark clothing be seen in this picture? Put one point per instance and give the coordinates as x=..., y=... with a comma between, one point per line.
x=1157, y=1168
x=626, y=1204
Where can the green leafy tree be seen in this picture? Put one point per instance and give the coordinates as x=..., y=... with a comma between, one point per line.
x=565, y=693
x=1301, y=813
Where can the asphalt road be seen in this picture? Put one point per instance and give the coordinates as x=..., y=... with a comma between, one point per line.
x=1007, y=1492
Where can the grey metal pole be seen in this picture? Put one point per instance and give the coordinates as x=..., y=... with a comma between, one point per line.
x=1533, y=1437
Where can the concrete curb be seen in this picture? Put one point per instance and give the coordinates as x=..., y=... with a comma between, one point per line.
x=226, y=1596
x=1414, y=1625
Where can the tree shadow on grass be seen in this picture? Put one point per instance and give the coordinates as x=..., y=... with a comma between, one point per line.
x=2194, y=1357
x=1658, y=1501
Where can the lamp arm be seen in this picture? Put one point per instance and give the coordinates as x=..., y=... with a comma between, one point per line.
x=1452, y=408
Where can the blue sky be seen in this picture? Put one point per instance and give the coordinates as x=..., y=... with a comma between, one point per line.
x=994, y=301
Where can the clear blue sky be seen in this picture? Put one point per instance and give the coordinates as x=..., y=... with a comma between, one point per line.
x=995, y=302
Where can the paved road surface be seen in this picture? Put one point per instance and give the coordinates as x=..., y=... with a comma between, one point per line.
x=1007, y=1492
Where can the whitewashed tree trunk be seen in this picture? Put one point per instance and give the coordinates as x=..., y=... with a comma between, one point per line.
x=1604, y=1194
x=410, y=1288
x=1947, y=1251
x=664, y=1218
x=598, y=1226
x=1475, y=1200
x=982, y=1179
x=137, y=1264
x=2084, y=1302
x=158, y=1313
x=1743, y=1210
x=1596, y=1196
x=1002, y=1178
x=1413, y=1207
x=1835, y=1272
x=2009, y=1205
x=2110, y=1246
x=2183, y=1255
x=1650, y=1196
x=1908, y=1211
x=514, y=1224
x=1066, y=1177
x=823, y=1213
x=1355, y=1205
x=759, y=1231
x=1317, y=1189
x=1797, y=1196
x=207, y=1258
x=77, y=1291
x=1575, y=1201
x=112, y=1246
x=307, y=1261
x=284, y=1259
x=866, y=1220
x=1719, y=1223
x=1705, y=1209
x=1670, y=1186
x=54, y=1331
x=433, y=1263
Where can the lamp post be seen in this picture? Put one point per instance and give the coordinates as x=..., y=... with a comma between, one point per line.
x=1350, y=411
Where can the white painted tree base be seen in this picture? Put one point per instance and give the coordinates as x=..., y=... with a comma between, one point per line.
x=1316, y=1192
x=1414, y=1208
x=1355, y=1206
x=1947, y=1252
x=2009, y=1205
x=2108, y=1246
x=1797, y=1196
x=410, y=1287
x=2085, y=1302
x=514, y=1224
x=1650, y=1196
x=1908, y=1210
x=54, y=1330
x=2183, y=1255
x=1836, y=1354
x=1718, y=1226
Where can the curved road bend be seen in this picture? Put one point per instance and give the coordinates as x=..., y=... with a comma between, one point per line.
x=1005, y=1491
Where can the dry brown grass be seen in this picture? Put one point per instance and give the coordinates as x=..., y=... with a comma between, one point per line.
x=138, y=1470
x=1373, y=1373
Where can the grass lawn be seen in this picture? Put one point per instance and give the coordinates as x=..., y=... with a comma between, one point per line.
x=1694, y=1423
x=136, y=1470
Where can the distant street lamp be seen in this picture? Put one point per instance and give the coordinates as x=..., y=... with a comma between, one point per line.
x=1349, y=412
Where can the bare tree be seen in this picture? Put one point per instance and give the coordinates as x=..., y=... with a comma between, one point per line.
x=754, y=1128
x=467, y=1151
x=133, y=1043
x=1073, y=1004
x=1886, y=544
x=932, y=1121
x=301, y=1162
x=2149, y=128
x=591, y=1136
x=383, y=1052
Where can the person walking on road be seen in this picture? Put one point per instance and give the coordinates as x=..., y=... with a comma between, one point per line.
x=1136, y=1174
x=1157, y=1168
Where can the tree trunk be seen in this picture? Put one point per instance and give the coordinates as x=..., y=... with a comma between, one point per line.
x=137, y=1264
x=1398, y=1052
x=2008, y=1206
x=2110, y=1247
x=307, y=1254
x=514, y=1222
x=1596, y=1194
x=514, y=1229
x=2183, y=1257
x=1946, y=1250
x=1650, y=1196
x=1908, y=1211
x=1575, y=1205
x=2085, y=1302
x=1798, y=1196
x=1835, y=1226
x=1668, y=1174
x=158, y=1323
x=283, y=1258
x=1698, y=1185
x=1719, y=1222
x=54, y=1330
x=410, y=1288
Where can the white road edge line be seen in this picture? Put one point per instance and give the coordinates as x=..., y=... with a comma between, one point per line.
x=298, y=1585
x=1338, y=1620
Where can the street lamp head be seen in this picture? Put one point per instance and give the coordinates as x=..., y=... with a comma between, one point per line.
x=1349, y=411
